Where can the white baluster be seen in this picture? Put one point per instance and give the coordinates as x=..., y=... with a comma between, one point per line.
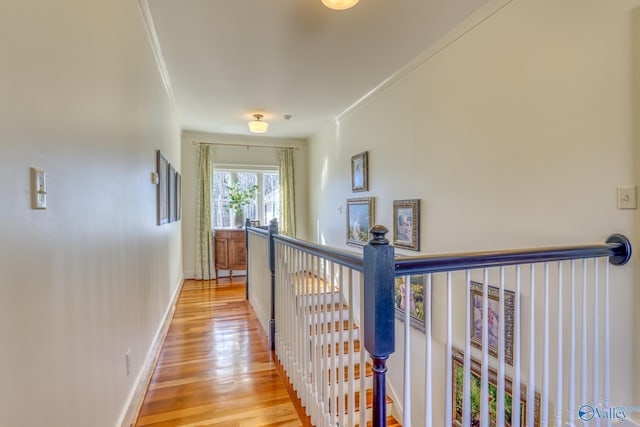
x=352, y=362
x=363, y=355
x=607, y=340
x=326, y=377
x=341, y=354
x=406, y=419
x=298, y=300
x=309, y=327
x=544, y=404
x=484, y=382
x=428, y=371
x=449, y=386
x=501, y=353
x=559, y=370
x=335, y=344
x=515, y=407
x=532, y=348
x=596, y=334
x=571, y=401
x=585, y=351
x=318, y=344
x=466, y=374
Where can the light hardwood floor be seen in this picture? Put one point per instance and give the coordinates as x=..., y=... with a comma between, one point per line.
x=215, y=368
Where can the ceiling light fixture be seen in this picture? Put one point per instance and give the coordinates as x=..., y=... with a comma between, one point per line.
x=257, y=125
x=339, y=4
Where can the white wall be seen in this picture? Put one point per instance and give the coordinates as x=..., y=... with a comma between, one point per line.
x=514, y=135
x=232, y=155
x=92, y=276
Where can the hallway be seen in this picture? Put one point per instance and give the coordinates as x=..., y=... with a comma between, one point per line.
x=215, y=368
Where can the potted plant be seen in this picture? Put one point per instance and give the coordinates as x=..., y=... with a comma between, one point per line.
x=238, y=198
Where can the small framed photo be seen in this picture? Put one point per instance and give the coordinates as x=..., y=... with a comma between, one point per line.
x=360, y=218
x=417, y=299
x=474, y=394
x=360, y=172
x=493, y=319
x=406, y=224
x=163, y=188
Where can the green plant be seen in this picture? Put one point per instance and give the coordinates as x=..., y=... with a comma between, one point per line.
x=238, y=196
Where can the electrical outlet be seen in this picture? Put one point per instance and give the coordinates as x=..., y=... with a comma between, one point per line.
x=127, y=358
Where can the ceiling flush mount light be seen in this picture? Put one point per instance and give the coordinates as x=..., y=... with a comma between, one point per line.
x=257, y=125
x=339, y=4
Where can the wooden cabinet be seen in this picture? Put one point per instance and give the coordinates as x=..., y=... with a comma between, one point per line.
x=231, y=252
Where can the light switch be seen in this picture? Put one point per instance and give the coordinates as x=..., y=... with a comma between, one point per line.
x=627, y=197
x=38, y=189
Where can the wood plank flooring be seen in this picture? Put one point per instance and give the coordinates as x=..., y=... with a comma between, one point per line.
x=215, y=367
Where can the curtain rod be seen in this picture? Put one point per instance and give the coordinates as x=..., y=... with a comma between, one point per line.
x=244, y=145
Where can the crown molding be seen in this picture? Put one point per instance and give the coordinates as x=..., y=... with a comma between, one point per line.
x=150, y=28
x=466, y=26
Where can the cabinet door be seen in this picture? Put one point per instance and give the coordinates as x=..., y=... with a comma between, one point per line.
x=238, y=254
x=222, y=253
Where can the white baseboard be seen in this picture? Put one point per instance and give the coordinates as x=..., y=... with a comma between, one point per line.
x=222, y=273
x=136, y=395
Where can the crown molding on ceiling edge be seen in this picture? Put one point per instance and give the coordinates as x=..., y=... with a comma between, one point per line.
x=150, y=28
x=466, y=26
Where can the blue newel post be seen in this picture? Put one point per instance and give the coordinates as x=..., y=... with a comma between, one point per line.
x=379, y=317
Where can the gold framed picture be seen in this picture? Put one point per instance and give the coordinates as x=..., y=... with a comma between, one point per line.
x=493, y=320
x=360, y=217
x=406, y=224
x=360, y=172
x=474, y=394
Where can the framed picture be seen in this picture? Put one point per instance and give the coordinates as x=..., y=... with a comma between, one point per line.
x=475, y=381
x=162, y=188
x=360, y=172
x=360, y=217
x=178, y=197
x=416, y=300
x=172, y=194
x=406, y=224
x=493, y=319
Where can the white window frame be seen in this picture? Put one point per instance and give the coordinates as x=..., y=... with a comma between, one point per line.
x=260, y=170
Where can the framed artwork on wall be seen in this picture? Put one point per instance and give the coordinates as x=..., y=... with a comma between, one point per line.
x=475, y=381
x=406, y=224
x=360, y=217
x=172, y=194
x=360, y=172
x=162, y=188
x=417, y=299
x=178, y=193
x=493, y=319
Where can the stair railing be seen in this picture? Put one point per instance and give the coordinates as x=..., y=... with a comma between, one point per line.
x=313, y=281
x=259, y=274
x=318, y=333
x=515, y=326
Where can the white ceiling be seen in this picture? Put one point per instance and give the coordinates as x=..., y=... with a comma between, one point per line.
x=228, y=59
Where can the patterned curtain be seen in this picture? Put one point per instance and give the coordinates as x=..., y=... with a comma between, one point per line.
x=287, y=218
x=205, y=247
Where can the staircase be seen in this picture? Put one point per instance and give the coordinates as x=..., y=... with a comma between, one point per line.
x=329, y=349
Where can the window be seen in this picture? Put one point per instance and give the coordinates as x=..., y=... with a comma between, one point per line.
x=265, y=206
